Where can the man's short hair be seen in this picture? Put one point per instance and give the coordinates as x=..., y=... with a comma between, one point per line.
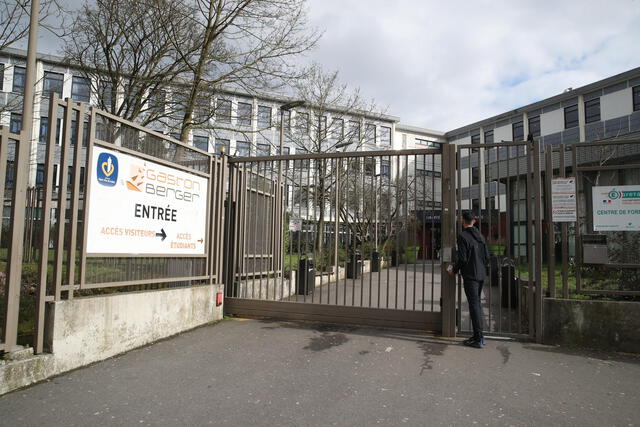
x=468, y=216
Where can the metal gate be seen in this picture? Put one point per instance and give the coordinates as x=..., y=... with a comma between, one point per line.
x=501, y=184
x=349, y=237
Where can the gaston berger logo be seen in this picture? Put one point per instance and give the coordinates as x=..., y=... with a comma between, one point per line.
x=136, y=180
x=107, y=169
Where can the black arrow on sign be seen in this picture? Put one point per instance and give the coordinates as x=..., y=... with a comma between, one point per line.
x=162, y=234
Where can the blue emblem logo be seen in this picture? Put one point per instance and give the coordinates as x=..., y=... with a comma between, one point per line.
x=107, y=169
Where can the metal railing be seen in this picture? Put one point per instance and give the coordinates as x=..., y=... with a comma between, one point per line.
x=59, y=230
x=367, y=222
x=591, y=261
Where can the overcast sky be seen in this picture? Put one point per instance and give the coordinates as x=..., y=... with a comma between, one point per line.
x=444, y=64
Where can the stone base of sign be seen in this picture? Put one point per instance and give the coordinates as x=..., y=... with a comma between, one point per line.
x=87, y=330
x=603, y=325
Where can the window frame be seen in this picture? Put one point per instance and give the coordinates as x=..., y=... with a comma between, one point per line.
x=15, y=123
x=635, y=98
x=488, y=136
x=19, y=88
x=245, y=146
x=384, y=131
x=569, y=121
x=75, y=82
x=201, y=139
x=241, y=118
x=260, y=149
x=265, y=121
x=520, y=127
x=590, y=116
x=223, y=106
x=46, y=92
x=534, y=120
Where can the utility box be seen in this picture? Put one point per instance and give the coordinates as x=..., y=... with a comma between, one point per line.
x=375, y=261
x=306, y=276
x=354, y=268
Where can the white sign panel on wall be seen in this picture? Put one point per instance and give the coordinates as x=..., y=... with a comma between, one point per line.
x=616, y=208
x=141, y=207
x=563, y=200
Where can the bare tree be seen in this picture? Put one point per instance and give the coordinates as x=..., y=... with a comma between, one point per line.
x=14, y=20
x=332, y=118
x=247, y=44
x=132, y=51
x=14, y=28
x=164, y=61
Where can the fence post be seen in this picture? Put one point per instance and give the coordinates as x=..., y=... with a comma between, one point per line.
x=448, y=283
x=537, y=192
x=551, y=257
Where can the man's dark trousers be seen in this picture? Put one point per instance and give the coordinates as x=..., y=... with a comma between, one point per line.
x=473, y=290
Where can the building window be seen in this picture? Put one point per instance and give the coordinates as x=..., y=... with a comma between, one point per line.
x=8, y=181
x=517, y=130
x=636, y=98
x=262, y=150
x=222, y=146
x=44, y=128
x=201, y=142
x=19, y=75
x=244, y=114
x=385, y=168
x=534, y=126
x=322, y=128
x=337, y=129
x=592, y=110
x=571, y=117
x=488, y=137
x=223, y=111
x=354, y=132
x=53, y=82
x=81, y=89
x=264, y=117
x=1, y=77
x=15, y=123
x=370, y=134
x=302, y=123
x=242, y=149
x=286, y=117
x=385, y=136
x=475, y=176
x=40, y=175
x=475, y=139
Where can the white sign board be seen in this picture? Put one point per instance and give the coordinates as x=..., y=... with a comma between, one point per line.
x=563, y=200
x=141, y=207
x=616, y=208
x=295, y=224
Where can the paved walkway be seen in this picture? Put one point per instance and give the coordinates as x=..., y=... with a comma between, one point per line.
x=288, y=374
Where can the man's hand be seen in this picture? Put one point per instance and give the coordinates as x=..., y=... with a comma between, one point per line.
x=450, y=270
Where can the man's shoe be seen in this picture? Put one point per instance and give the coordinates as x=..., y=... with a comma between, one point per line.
x=473, y=343
x=469, y=340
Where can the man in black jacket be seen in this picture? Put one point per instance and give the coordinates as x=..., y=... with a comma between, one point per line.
x=472, y=261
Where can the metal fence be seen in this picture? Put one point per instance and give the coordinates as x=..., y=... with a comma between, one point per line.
x=56, y=218
x=348, y=229
x=581, y=259
x=501, y=186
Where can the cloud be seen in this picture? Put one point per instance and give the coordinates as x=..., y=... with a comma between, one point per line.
x=442, y=65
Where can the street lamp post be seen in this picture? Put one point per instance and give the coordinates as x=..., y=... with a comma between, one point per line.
x=285, y=107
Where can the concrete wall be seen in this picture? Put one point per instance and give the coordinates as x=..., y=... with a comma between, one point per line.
x=604, y=325
x=87, y=330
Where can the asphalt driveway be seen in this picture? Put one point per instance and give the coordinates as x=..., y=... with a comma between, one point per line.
x=251, y=372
